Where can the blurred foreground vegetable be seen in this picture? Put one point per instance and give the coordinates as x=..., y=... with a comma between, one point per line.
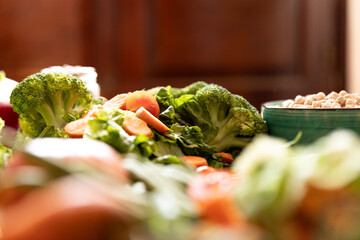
x=67, y=189
x=86, y=190
x=304, y=192
x=273, y=191
x=4, y=151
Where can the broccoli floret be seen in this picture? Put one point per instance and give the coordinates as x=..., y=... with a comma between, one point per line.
x=226, y=120
x=190, y=89
x=47, y=101
x=164, y=95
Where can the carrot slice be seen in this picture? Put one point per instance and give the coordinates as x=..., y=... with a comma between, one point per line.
x=76, y=129
x=92, y=111
x=144, y=99
x=205, y=170
x=212, y=195
x=151, y=120
x=135, y=126
x=226, y=157
x=195, y=161
x=119, y=101
x=221, y=209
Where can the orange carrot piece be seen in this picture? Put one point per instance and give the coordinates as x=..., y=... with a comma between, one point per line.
x=144, y=99
x=118, y=102
x=151, y=120
x=195, y=161
x=205, y=170
x=76, y=129
x=135, y=126
x=226, y=157
x=221, y=209
x=91, y=113
x=211, y=193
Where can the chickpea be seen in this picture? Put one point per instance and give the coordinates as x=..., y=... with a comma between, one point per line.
x=349, y=96
x=288, y=103
x=320, y=96
x=341, y=100
x=343, y=93
x=316, y=104
x=357, y=98
x=309, y=100
x=350, y=101
x=336, y=105
x=299, y=99
x=333, y=95
x=326, y=105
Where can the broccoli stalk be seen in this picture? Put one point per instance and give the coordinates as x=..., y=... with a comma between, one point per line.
x=52, y=116
x=47, y=101
x=237, y=119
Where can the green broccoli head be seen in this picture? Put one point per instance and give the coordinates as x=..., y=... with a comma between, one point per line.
x=226, y=120
x=255, y=123
x=190, y=89
x=47, y=101
x=164, y=95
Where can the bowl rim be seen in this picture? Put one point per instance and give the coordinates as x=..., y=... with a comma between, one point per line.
x=265, y=105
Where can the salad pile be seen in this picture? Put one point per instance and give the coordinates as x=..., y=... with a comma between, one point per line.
x=167, y=163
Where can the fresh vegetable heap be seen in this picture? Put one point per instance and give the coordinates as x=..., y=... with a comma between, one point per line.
x=168, y=163
x=164, y=124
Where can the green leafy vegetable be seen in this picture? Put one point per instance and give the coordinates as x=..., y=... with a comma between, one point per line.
x=206, y=118
x=270, y=178
x=172, y=212
x=107, y=127
x=190, y=89
x=309, y=187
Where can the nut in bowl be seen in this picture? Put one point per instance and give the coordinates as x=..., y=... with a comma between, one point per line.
x=314, y=115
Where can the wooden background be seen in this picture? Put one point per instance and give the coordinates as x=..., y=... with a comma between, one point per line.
x=261, y=49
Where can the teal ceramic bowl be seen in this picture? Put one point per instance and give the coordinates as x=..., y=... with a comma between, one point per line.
x=313, y=123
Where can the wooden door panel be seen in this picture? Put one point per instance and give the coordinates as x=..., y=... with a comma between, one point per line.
x=261, y=50
x=210, y=37
x=37, y=34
